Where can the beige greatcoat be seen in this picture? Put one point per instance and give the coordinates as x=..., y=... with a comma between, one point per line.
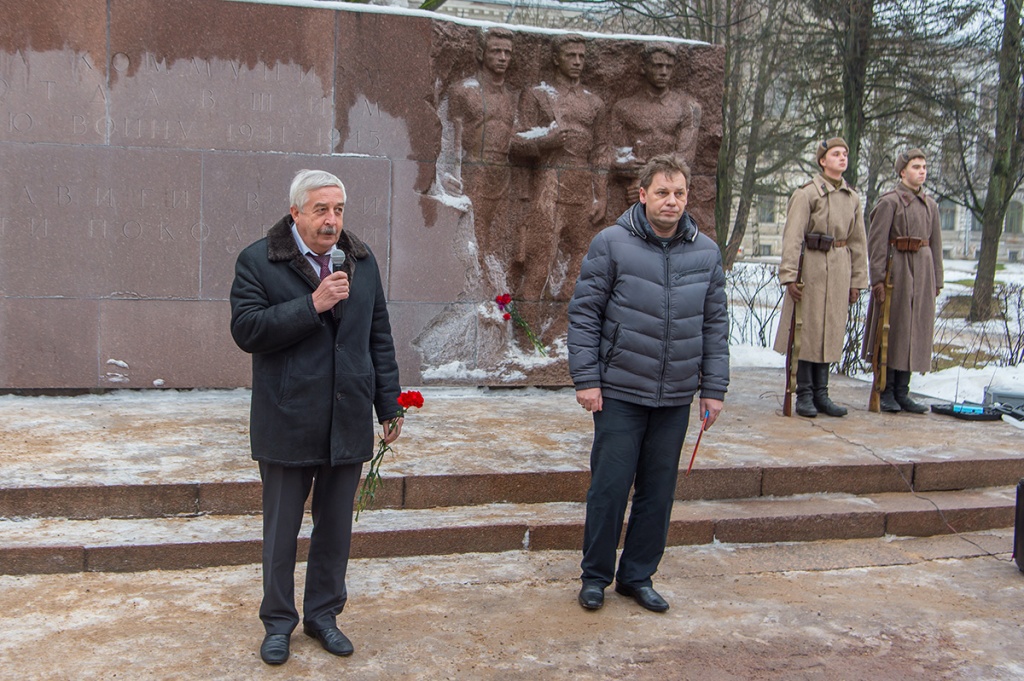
x=818, y=206
x=915, y=277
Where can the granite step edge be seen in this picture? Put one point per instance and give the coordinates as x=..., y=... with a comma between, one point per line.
x=50, y=545
x=431, y=491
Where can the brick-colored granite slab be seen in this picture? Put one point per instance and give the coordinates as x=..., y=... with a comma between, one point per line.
x=58, y=545
x=170, y=437
x=865, y=478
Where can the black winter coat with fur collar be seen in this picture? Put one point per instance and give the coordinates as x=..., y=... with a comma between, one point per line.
x=314, y=378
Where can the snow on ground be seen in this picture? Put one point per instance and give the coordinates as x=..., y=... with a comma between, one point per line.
x=968, y=385
x=955, y=384
x=953, y=270
x=950, y=385
x=749, y=356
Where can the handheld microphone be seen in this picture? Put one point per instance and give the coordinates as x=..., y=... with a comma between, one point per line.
x=337, y=260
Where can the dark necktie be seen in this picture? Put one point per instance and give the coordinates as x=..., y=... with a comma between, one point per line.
x=325, y=265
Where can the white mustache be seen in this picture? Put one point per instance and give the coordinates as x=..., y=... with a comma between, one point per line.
x=328, y=231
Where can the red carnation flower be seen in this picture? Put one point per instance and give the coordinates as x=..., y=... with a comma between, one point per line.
x=410, y=399
x=510, y=312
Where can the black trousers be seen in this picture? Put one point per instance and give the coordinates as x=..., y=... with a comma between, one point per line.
x=285, y=490
x=634, y=447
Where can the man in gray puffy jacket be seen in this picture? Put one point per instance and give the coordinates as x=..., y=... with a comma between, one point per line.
x=648, y=329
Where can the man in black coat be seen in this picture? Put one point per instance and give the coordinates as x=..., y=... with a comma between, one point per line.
x=322, y=357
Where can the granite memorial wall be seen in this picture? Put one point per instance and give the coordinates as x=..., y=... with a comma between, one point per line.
x=143, y=144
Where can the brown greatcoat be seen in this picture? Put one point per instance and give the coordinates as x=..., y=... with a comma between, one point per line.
x=916, y=277
x=820, y=207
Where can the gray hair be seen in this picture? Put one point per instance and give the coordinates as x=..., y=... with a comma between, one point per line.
x=306, y=181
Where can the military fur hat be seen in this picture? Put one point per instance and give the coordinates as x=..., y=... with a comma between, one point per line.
x=825, y=145
x=904, y=158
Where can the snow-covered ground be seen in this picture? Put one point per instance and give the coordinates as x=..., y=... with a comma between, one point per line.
x=955, y=384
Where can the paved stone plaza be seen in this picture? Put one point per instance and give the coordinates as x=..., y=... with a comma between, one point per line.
x=113, y=495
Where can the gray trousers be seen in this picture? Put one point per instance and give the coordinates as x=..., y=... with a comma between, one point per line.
x=285, y=490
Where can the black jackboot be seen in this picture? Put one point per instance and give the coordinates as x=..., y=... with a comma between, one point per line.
x=821, y=399
x=804, y=388
x=886, y=402
x=901, y=391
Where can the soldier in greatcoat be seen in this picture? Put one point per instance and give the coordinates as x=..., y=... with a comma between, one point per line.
x=905, y=222
x=825, y=221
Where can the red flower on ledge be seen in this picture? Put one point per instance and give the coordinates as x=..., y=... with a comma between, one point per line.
x=510, y=311
x=410, y=399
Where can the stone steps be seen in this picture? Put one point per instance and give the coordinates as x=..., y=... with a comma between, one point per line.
x=143, y=480
x=431, y=491
x=59, y=544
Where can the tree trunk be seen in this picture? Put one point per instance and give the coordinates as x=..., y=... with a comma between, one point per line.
x=753, y=153
x=859, y=16
x=727, y=152
x=1005, y=157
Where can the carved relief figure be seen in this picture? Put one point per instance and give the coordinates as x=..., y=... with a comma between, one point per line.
x=482, y=112
x=657, y=120
x=561, y=130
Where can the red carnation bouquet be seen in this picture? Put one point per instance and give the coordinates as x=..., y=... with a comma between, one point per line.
x=509, y=311
x=372, y=482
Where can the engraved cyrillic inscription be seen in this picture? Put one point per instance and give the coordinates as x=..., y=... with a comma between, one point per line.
x=40, y=91
x=216, y=103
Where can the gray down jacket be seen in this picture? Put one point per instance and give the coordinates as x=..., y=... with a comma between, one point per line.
x=648, y=321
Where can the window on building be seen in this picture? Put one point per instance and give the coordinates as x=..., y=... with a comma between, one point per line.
x=947, y=215
x=975, y=223
x=766, y=209
x=1014, y=220
x=764, y=250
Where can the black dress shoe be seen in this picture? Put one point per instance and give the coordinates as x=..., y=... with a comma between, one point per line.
x=644, y=595
x=275, y=648
x=591, y=597
x=331, y=638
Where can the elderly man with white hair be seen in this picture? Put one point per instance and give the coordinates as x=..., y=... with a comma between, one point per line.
x=307, y=303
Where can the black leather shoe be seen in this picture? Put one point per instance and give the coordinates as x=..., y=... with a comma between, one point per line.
x=331, y=638
x=907, y=404
x=826, y=406
x=644, y=595
x=886, y=401
x=804, y=387
x=901, y=392
x=591, y=597
x=822, y=403
x=275, y=648
x=805, y=406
